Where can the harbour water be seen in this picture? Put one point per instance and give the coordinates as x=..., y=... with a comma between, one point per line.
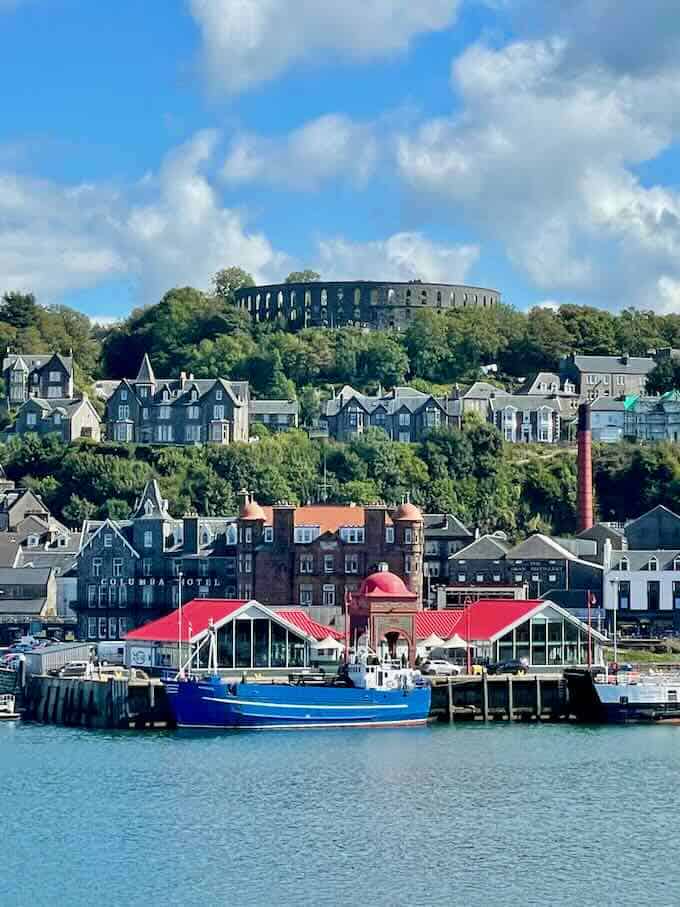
x=443, y=815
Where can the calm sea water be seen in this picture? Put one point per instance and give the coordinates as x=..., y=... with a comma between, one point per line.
x=504, y=814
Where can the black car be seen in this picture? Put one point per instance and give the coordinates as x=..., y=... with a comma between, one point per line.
x=511, y=666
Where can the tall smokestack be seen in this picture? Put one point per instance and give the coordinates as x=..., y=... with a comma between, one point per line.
x=585, y=469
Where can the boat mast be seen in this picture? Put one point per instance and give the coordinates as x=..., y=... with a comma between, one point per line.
x=179, y=622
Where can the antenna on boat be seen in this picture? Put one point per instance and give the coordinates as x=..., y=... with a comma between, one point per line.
x=179, y=623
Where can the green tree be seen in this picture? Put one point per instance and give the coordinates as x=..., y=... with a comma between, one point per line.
x=227, y=281
x=305, y=276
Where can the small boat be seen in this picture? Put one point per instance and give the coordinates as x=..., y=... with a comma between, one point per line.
x=7, y=708
x=623, y=698
x=367, y=693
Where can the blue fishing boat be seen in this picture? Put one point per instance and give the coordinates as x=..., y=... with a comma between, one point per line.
x=365, y=693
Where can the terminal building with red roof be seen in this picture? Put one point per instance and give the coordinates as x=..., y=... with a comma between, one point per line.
x=251, y=636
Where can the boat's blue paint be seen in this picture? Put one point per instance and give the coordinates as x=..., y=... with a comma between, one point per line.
x=213, y=702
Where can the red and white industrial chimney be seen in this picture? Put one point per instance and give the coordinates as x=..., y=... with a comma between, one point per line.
x=584, y=469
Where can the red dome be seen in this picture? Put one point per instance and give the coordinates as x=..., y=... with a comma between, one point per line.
x=408, y=512
x=253, y=511
x=384, y=583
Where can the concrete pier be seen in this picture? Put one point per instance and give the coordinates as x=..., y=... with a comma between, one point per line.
x=97, y=703
x=504, y=697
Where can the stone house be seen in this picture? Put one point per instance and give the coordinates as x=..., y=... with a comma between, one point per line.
x=606, y=376
x=276, y=415
x=135, y=570
x=403, y=413
x=150, y=410
x=527, y=418
x=48, y=376
x=28, y=602
x=69, y=418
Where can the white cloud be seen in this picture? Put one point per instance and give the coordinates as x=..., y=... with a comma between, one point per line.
x=55, y=239
x=542, y=161
x=251, y=41
x=403, y=256
x=322, y=150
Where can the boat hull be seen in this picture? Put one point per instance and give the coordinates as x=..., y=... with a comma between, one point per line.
x=618, y=703
x=216, y=704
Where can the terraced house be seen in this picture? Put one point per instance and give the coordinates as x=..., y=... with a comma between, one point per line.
x=404, y=413
x=184, y=410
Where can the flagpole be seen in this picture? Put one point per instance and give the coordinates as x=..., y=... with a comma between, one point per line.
x=179, y=623
x=590, y=629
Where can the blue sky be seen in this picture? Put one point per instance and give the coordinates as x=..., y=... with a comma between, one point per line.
x=526, y=146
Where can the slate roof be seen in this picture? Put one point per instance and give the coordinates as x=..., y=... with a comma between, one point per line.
x=66, y=405
x=638, y=560
x=24, y=576
x=151, y=495
x=33, y=606
x=35, y=360
x=277, y=407
x=487, y=548
x=397, y=399
x=607, y=405
x=634, y=365
x=483, y=390
x=525, y=403
x=444, y=524
x=539, y=547
x=531, y=385
x=9, y=552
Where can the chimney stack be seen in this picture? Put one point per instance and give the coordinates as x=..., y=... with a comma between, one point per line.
x=584, y=469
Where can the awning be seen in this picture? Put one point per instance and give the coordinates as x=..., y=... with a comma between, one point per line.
x=432, y=641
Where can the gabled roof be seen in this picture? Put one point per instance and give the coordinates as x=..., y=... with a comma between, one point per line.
x=199, y=613
x=444, y=524
x=483, y=390
x=638, y=560
x=534, y=385
x=115, y=528
x=660, y=508
x=487, y=548
x=145, y=374
x=278, y=407
x=151, y=504
x=489, y=619
x=525, y=403
x=10, y=551
x=634, y=365
x=539, y=547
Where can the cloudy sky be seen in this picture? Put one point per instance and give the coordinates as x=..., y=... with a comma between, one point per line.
x=526, y=145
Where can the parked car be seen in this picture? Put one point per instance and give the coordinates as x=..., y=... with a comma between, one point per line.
x=440, y=668
x=72, y=669
x=511, y=666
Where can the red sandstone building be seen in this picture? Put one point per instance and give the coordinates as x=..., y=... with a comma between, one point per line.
x=314, y=556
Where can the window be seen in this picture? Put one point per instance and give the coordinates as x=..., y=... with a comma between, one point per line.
x=55, y=376
x=123, y=394
x=147, y=596
x=462, y=578
x=269, y=533
x=351, y=563
x=479, y=578
x=148, y=538
x=57, y=418
x=203, y=568
x=408, y=564
x=329, y=596
x=404, y=419
x=247, y=563
x=328, y=563
x=591, y=379
x=176, y=566
x=194, y=412
x=103, y=627
x=91, y=596
x=218, y=413
x=164, y=433
x=552, y=577
x=31, y=419
x=147, y=566
x=305, y=534
x=620, y=380
x=623, y=596
x=305, y=595
x=432, y=548
x=306, y=563
x=164, y=412
x=432, y=570
x=218, y=394
x=653, y=595
x=145, y=412
x=389, y=535
x=113, y=627
x=676, y=563
x=676, y=596
x=352, y=534
x=96, y=566
x=653, y=563
x=624, y=564
x=408, y=536
x=124, y=412
x=143, y=391
x=91, y=627
x=192, y=433
x=54, y=391
x=518, y=577
x=248, y=535
x=118, y=566
x=496, y=577
x=122, y=627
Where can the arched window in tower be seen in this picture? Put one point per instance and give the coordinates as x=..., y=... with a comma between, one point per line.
x=279, y=301
x=423, y=297
x=408, y=297
x=268, y=300
x=357, y=298
x=439, y=297
x=258, y=300
x=452, y=298
x=308, y=298
x=324, y=297
x=391, y=297
x=374, y=297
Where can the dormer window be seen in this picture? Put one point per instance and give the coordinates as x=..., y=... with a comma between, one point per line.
x=653, y=563
x=33, y=541
x=194, y=394
x=143, y=392
x=676, y=563
x=624, y=564
x=166, y=395
x=205, y=537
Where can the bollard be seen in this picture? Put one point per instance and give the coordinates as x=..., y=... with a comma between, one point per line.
x=539, y=701
x=511, y=706
x=485, y=697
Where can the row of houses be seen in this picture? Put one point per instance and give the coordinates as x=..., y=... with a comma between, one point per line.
x=186, y=410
